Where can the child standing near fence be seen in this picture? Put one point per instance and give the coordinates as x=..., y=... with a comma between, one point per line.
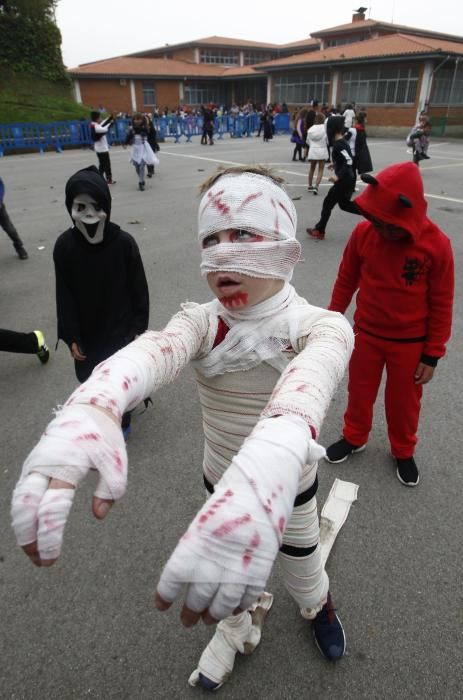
x=98, y=131
x=142, y=154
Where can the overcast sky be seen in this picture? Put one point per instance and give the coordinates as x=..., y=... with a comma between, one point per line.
x=96, y=29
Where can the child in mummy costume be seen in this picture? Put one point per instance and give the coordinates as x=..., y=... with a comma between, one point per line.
x=267, y=365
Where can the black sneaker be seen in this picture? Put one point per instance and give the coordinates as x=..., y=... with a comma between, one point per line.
x=341, y=450
x=328, y=632
x=43, y=352
x=141, y=186
x=407, y=471
x=22, y=253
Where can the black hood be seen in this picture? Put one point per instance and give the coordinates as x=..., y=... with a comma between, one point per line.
x=89, y=181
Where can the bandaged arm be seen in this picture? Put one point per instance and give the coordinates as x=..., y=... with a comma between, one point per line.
x=307, y=386
x=86, y=434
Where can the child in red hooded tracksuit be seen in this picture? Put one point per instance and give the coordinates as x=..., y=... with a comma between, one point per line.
x=401, y=263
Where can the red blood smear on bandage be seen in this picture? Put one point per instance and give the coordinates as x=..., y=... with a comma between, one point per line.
x=50, y=524
x=281, y=524
x=255, y=542
x=89, y=436
x=118, y=462
x=231, y=525
x=248, y=199
x=237, y=299
x=247, y=558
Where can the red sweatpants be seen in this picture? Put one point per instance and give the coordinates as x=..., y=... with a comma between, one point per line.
x=402, y=396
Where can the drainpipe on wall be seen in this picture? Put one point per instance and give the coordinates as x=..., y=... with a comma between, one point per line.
x=269, y=89
x=457, y=60
x=426, y=86
x=77, y=93
x=133, y=96
x=334, y=87
x=430, y=82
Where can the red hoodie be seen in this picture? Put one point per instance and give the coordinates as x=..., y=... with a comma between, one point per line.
x=405, y=288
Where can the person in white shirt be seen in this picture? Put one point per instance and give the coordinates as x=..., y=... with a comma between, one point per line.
x=98, y=131
x=349, y=116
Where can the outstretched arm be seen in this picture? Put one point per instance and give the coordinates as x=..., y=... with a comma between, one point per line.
x=86, y=432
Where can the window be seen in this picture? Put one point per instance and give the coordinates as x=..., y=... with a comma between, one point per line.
x=251, y=57
x=447, y=87
x=301, y=89
x=149, y=94
x=384, y=85
x=204, y=93
x=223, y=57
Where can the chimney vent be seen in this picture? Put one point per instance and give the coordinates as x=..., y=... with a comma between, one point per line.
x=359, y=15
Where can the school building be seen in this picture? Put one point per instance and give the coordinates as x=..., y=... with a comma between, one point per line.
x=394, y=71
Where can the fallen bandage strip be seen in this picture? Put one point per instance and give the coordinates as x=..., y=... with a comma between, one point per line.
x=334, y=514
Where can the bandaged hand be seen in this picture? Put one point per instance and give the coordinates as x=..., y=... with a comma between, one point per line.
x=227, y=553
x=78, y=439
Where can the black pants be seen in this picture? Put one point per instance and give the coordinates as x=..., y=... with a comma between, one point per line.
x=85, y=367
x=298, y=150
x=104, y=167
x=340, y=194
x=12, y=341
x=7, y=225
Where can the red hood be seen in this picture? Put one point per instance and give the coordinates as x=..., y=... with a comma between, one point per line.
x=382, y=200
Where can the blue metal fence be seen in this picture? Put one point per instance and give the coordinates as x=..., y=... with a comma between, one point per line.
x=58, y=135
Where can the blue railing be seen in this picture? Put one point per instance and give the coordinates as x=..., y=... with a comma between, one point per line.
x=60, y=135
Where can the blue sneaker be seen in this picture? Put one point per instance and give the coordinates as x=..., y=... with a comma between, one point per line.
x=207, y=684
x=126, y=432
x=328, y=632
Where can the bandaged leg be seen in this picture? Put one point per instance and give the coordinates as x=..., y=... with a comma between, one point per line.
x=300, y=556
x=239, y=633
x=305, y=576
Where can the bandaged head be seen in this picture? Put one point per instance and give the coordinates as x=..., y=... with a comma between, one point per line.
x=254, y=203
x=88, y=201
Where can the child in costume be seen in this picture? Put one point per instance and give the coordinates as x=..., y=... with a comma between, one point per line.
x=102, y=297
x=318, y=151
x=8, y=226
x=267, y=365
x=98, y=131
x=142, y=155
x=401, y=264
x=343, y=179
x=418, y=139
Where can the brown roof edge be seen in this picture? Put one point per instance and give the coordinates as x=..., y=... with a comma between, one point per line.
x=378, y=24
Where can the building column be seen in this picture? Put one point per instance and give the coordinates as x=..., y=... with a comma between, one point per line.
x=241, y=58
x=77, y=94
x=426, y=87
x=133, y=96
x=269, y=89
x=197, y=57
x=335, y=76
x=181, y=91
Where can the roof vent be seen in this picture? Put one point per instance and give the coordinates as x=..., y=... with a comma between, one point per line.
x=359, y=14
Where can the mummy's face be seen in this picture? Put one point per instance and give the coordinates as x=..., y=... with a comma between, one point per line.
x=89, y=218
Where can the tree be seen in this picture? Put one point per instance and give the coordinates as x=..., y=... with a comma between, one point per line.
x=30, y=40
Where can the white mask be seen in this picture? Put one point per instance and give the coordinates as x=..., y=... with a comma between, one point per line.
x=89, y=218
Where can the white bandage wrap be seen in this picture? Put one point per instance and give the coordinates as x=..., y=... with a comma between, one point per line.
x=247, y=201
x=228, y=551
x=264, y=259
x=79, y=438
x=156, y=358
x=256, y=204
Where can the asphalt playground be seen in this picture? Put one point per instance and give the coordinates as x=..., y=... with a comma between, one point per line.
x=87, y=628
